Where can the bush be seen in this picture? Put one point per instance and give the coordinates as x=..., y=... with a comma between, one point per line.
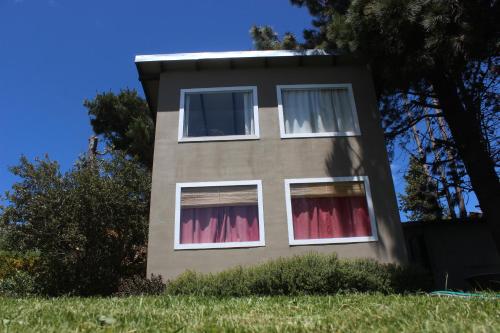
x=88, y=224
x=138, y=285
x=18, y=273
x=13, y=262
x=303, y=275
x=407, y=278
x=364, y=275
x=18, y=284
x=295, y=275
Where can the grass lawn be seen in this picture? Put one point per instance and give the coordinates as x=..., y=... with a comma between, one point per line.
x=346, y=313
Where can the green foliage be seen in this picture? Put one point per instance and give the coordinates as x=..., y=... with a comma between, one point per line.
x=139, y=285
x=307, y=274
x=126, y=123
x=17, y=273
x=443, y=54
x=88, y=225
x=407, y=278
x=264, y=38
x=12, y=262
x=413, y=36
x=420, y=201
x=303, y=275
x=18, y=284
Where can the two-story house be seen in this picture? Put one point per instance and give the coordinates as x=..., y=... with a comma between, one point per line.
x=262, y=154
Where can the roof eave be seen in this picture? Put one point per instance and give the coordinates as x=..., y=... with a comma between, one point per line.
x=229, y=55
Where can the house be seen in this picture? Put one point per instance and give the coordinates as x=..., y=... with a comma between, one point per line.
x=264, y=154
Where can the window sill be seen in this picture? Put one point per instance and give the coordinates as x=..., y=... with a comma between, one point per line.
x=229, y=245
x=219, y=138
x=342, y=240
x=320, y=135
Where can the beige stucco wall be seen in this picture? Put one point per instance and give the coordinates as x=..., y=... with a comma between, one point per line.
x=271, y=160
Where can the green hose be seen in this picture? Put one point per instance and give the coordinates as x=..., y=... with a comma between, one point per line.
x=447, y=293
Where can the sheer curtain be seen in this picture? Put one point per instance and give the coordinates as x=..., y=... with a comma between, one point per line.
x=186, y=120
x=248, y=113
x=317, y=110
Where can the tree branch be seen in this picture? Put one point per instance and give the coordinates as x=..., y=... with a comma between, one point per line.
x=425, y=105
x=410, y=124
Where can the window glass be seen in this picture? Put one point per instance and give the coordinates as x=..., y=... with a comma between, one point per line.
x=317, y=110
x=329, y=210
x=218, y=113
x=219, y=214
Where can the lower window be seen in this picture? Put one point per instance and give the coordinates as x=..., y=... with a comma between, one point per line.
x=219, y=215
x=329, y=210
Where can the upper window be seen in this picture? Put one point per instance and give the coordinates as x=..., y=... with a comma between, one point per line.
x=317, y=110
x=228, y=113
x=219, y=215
x=329, y=210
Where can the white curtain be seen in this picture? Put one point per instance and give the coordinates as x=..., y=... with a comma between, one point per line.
x=317, y=110
x=186, y=115
x=248, y=113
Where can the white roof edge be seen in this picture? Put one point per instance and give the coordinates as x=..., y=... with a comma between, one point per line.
x=227, y=55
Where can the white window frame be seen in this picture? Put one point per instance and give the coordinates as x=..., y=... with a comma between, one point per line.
x=180, y=186
x=371, y=213
x=255, y=136
x=348, y=86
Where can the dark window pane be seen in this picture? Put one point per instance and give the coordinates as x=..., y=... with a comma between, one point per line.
x=218, y=114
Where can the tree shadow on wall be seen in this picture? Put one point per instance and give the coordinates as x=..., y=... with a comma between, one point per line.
x=352, y=156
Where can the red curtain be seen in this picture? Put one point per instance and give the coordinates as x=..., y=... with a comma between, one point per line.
x=315, y=218
x=219, y=224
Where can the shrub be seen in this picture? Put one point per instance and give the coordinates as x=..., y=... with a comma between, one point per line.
x=88, y=224
x=296, y=275
x=232, y=282
x=410, y=278
x=138, y=285
x=18, y=284
x=12, y=262
x=303, y=275
x=18, y=273
x=363, y=275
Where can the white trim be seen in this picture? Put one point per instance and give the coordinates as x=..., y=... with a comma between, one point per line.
x=255, y=136
x=228, y=55
x=281, y=116
x=262, y=235
x=371, y=213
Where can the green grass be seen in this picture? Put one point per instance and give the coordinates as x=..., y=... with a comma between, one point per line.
x=341, y=313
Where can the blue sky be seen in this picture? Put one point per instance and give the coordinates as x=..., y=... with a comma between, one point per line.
x=56, y=53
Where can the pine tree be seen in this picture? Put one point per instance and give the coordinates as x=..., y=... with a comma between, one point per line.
x=419, y=201
x=445, y=54
x=125, y=122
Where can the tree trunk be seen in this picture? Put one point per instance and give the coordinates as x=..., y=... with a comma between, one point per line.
x=442, y=171
x=472, y=149
x=418, y=142
x=454, y=171
x=92, y=150
x=423, y=158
